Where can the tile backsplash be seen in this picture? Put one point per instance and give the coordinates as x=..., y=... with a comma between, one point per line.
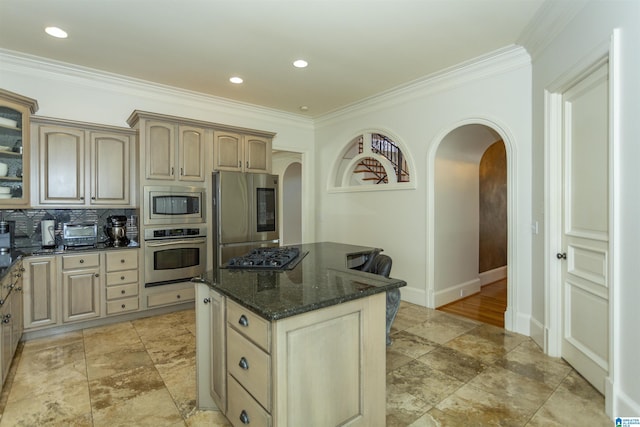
x=27, y=222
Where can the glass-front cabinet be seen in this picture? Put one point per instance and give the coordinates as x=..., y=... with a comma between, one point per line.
x=15, y=114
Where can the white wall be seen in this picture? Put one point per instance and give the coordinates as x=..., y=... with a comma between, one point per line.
x=494, y=90
x=580, y=43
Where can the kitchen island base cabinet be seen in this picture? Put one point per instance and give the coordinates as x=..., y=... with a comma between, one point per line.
x=321, y=368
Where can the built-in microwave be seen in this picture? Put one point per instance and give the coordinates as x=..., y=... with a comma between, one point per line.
x=173, y=205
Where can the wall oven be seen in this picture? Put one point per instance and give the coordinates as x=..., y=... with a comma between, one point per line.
x=174, y=254
x=173, y=205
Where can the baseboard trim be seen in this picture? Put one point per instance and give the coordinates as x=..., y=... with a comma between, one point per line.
x=494, y=275
x=537, y=332
x=456, y=292
x=622, y=405
x=414, y=296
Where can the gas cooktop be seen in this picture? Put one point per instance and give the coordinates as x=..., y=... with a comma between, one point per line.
x=282, y=258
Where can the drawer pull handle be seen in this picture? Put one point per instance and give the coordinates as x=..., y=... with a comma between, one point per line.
x=243, y=363
x=244, y=417
x=243, y=321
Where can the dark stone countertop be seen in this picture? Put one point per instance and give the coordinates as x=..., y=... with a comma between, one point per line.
x=321, y=279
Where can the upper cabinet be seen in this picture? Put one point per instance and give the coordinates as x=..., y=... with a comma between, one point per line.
x=243, y=153
x=15, y=114
x=179, y=149
x=82, y=164
x=172, y=151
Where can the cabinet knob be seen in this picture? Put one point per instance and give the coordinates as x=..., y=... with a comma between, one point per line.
x=5, y=320
x=81, y=197
x=123, y=306
x=123, y=292
x=244, y=417
x=121, y=277
x=1, y=301
x=171, y=170
x=178, y=296
x=81, y=261
x=243, y=363
x=93, y=197
x=243, y=321
x=206, y=300
x=122, y=261
x=97, y=275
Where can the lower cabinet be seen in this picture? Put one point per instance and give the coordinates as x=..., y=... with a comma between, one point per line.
x=81, y=287
x=11, y=325
x=68, y=288
x=40, y=292
x=330, y=363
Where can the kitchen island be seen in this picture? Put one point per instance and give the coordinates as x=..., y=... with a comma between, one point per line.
x=304, y=346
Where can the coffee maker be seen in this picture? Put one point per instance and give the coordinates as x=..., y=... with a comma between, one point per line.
x=6, y=236
x=116, y=230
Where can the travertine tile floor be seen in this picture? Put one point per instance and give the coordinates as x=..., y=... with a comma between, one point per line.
x=441, y=370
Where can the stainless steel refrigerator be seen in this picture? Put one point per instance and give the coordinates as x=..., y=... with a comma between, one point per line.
x=245, y=213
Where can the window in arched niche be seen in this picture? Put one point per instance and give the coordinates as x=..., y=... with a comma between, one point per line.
x=370, y=159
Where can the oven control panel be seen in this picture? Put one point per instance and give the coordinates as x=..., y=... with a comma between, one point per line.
x=174, y=233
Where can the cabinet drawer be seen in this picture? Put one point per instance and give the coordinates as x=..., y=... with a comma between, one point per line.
x=171, y=297
x=122, y=260
x=114, y=292
x=249, y=324
x=243, y=409
x=250, y=366
x=122, y=277
x=122, y=305
x=71, y=262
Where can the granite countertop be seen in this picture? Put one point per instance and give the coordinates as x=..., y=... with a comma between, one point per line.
x=321, y=279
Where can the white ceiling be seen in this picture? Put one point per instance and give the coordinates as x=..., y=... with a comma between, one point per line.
x=355, y=49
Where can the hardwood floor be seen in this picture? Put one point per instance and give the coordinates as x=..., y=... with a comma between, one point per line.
x=487, y=306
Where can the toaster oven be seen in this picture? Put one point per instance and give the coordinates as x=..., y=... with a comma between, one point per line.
x=78, y=235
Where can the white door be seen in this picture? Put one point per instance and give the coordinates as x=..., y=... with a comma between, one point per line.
x=585, y=227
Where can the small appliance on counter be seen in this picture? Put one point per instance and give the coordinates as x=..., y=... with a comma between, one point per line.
x=47, y=229
x=6, y=236
x=116, y=230
x=79, y=235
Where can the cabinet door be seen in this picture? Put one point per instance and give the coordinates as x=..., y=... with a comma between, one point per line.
x=40, y=292
x=14, y=145
x=62, y=165
x=227, y=151
x=191, y=146
x=160, y=150
x=257, y=154
x=80, y=295
x=218, y=380
x=16, y=314
x=110, y=168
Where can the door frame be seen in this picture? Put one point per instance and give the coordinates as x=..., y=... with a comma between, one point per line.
x=553, y=98
x=513, y=321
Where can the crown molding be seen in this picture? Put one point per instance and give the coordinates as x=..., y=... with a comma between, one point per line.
x=39, y=67
x=499, y=61
x=552, y=17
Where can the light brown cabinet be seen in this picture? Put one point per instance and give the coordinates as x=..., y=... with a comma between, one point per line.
x=122, y=281
x=242, y=153
x=15, y=116
x=171, y=158
x=40, y=292
x=211, y=381
x=81, y=164
x=322, y=367
x=81, y=287
x=11, y=325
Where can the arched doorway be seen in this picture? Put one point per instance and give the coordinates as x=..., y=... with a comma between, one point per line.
x=453, y=264
x=292, y=204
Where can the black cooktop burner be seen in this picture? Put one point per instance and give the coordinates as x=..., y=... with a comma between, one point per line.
x=268, y=258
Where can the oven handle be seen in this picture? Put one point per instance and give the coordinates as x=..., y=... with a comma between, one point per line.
x=153, y=244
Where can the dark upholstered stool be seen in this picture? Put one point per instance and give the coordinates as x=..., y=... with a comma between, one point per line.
x=381, y=264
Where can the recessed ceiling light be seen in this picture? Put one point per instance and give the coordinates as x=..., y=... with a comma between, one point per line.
x=56, y=32
x=304, y=108
x=236, y=80
x=300, y=63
